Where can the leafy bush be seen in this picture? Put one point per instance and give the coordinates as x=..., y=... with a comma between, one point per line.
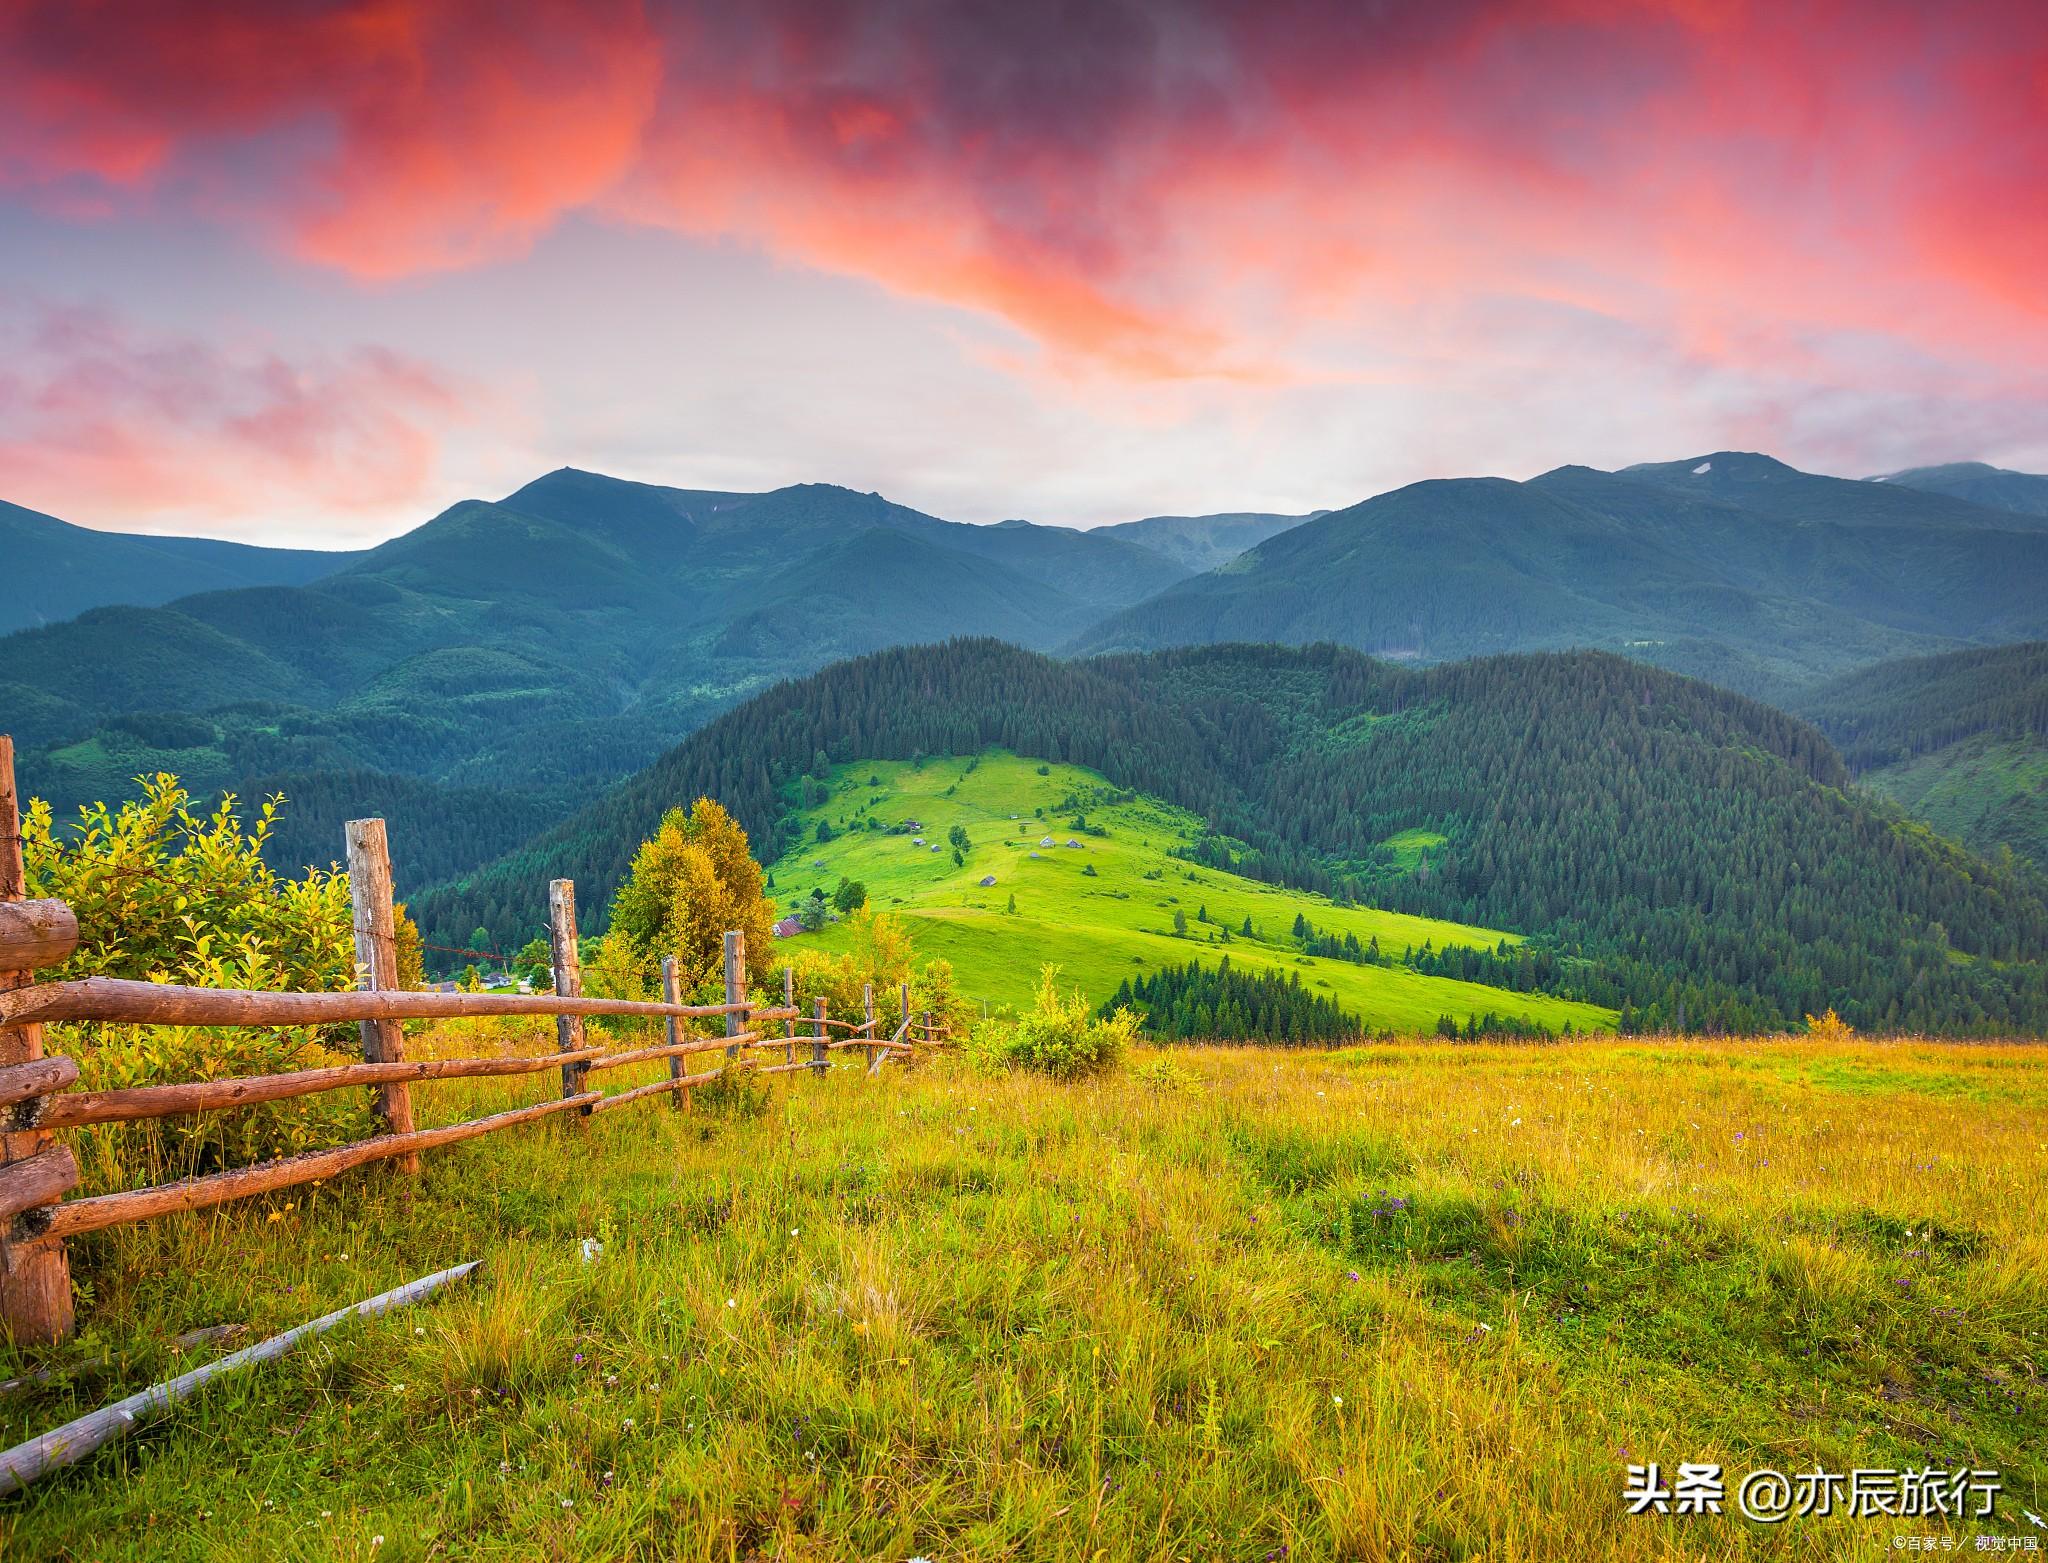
x=165, y=895
x=1056, y=1036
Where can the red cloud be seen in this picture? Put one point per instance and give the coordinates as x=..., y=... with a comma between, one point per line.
x=1166, y=189
x=111, y=423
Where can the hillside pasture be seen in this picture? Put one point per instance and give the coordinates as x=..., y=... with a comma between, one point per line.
x=1424, y=1301
x=1117, y=922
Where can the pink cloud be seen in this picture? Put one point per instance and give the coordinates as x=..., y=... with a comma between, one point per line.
x=1158, y=191
x=110, y=422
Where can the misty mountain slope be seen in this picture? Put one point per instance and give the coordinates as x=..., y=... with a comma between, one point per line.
x=1960, y=741
x=1694, y=578
x=559, y=637
x=1199, y=543
x=56, y=570
x=1769, y=487
x=2024, y=493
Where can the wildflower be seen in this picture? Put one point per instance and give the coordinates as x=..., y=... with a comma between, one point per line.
x=1350, y=1275
x=1337, y=1401
x=731, y=1302
x=568, y=1503
x=375, y=1542
x=627, y=1425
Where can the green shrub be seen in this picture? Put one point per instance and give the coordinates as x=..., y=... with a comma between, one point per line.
x=166, y=895
x=1057, y=1036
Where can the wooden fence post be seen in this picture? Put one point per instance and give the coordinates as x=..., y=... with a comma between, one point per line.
x=376, y=930
x=672, y=993
x=789, y=1002
x=867, y=999
x=35, y=1274
x=821, y=1058
x=735, y=985
x=906, y=1009
x=568, y=964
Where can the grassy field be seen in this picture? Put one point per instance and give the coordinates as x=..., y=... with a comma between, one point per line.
x=1420, y=1301
x=1118, y=922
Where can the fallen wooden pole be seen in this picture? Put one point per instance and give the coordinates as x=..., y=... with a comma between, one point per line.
x=107, y=1210
x=74, y=1108
x=168, y=1004
x=72, y=1442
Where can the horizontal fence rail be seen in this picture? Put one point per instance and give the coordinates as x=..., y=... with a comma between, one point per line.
x=37, y=1095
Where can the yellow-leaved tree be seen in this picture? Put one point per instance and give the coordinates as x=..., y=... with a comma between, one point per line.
x=691, y=881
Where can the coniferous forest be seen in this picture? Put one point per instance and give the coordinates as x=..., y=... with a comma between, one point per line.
x=1687, y=855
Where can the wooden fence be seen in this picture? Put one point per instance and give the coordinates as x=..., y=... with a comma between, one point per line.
x=37, y=1098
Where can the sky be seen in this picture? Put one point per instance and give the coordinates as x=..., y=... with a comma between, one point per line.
x=310, y=271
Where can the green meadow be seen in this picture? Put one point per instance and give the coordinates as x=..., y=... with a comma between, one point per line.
x=1421, y=1301
x=1118, y=921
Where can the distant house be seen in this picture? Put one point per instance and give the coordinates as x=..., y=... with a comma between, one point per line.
x=788, y=928
x=912, y=824
x=1037, y=854
x=1072, y=842
x=935, y=846
x=1046, y=842
x=987, y=880
x=917, y=841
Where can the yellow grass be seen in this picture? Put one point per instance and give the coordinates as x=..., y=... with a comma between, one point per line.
x=944, y=1315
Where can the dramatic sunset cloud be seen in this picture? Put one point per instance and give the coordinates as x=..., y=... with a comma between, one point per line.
x=97, y=415
x=1785, y=217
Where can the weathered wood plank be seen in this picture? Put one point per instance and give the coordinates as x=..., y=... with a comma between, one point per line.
x=376, y=930
x=641, y=1055
x=35, y=1275
x=168, y=1004
x=40, y=1180
x=107, y=1210
x=39, y=1077
x=165, y=1101
x=676, y=1085
x=36, y=934
x=72, y=1442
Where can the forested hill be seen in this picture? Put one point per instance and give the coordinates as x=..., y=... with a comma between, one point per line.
x=1899, y=709
x=1702, y=848
x=1960, y=741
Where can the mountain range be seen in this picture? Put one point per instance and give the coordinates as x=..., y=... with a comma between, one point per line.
x=509, y=659
x=1733, y=567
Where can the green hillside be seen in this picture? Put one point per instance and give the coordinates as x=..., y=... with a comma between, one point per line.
x=1960, y=741
x=56, y=570
x=1103, y=908
x=558, y=639
x=1669, y=847
x=1733, y=568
